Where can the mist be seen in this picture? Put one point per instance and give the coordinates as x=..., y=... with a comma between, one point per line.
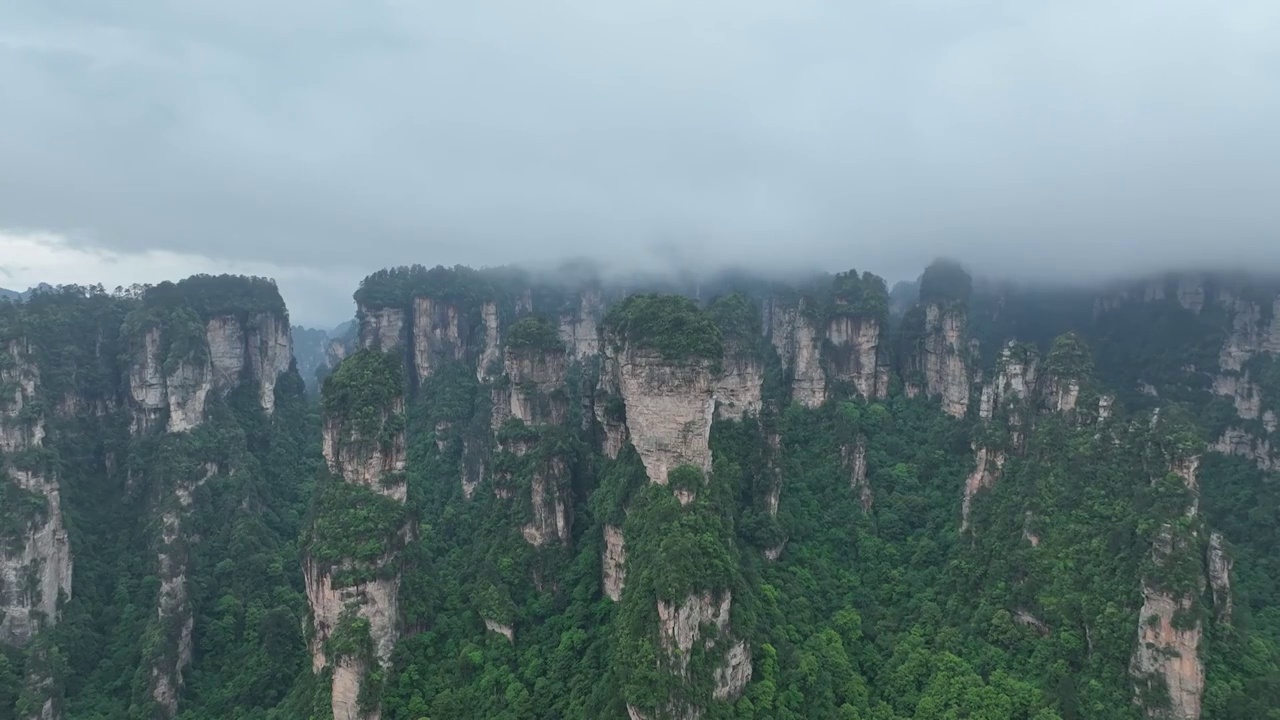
x=317, y=142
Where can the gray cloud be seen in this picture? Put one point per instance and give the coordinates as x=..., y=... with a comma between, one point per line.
x=1031, y=138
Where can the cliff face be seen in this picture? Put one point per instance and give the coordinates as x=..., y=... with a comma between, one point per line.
x=945, y=358
x=372, y=462
x=173, y=604
x=844, y=348
x=855, y=354
x=381, y=328
x=680, y=628
x=438, y=335
x=614, y=561
x=36, y=564
x=669, y=408
x=799, y=346
x=580, y=328
x=736, y=390
x=258, y=350
x=1167, y=656
x=364, y=460
x=1219, y=565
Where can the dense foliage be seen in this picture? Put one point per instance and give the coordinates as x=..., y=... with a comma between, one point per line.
x=859, y=605
x=672, y=325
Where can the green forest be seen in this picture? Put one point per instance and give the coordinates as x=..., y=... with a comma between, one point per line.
x=564, y=499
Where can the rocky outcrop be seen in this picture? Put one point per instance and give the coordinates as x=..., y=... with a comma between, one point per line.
x=669, y=408
x=374, y=460
x=491, y=352
x=438, y=335
x=534, y=390
x=1218, y=566
x=799, y=345
x=550, y=520
x=232, y=352
x=988, y=465
x=614, y=561
x=35, y=564
x=609, y=408
x=1245, y=395
x=1191, y=292
x=369, y=460
x=381, y=328
x=854, y=353
x=846, y=349
x=854, y=458
x=270, y=350
x=1166, y=667
x=736, y=390
x=505, y=631
x=1167, y=657
x=680, y=628
x=378, y=602
x=1251, y=333
x=945, y=360
x=580, y=328
x=1240, y=443
x=173, y=604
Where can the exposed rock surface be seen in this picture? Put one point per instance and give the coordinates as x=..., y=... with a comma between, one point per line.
x=737, y=388
x=854, y=458
x=614, y=562
x=946, y=358
x=173, y=604
x=382, y=328
x=680, y=628
x=1240, y=443
x=1245, y=395
x=580, y=328
x=799, y=346
x=232, y=353
x=1219, y=570
x=438, y=335
x=367, y=462
x=855, y=353
x=550, y=516
x=491, y=352
x=1167, y=657
x=505, y=631
x=36, y=566
x=987, y=467
x=669, y=407
x=609, y=407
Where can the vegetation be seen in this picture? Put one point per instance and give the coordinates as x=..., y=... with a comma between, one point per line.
x=534, y=333
x=672, y=325
x=877, y=611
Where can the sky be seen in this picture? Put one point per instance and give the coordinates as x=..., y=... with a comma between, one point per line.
x=317, y=141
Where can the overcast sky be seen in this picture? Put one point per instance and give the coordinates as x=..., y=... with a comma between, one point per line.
x=317, y=140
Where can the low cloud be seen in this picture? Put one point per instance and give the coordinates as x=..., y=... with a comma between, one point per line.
x=1063, y=138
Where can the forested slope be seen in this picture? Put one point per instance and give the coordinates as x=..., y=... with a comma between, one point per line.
x=519, y=498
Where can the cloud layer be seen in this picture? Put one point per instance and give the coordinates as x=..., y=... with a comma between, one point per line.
x=329, y=138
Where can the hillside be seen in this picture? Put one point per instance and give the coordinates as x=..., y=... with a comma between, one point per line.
x=735, y=498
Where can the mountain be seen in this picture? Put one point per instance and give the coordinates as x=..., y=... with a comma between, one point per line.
x=721, y=497
x=10, y=295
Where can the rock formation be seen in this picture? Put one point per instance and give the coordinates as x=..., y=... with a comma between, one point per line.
x=439, y=334
x=1166, y=666
x=669, y=408
x=35, y=565
x=736, y=391
x=945, y=357
x=381, y=328
x=373, y=462
x=580, y=328
x=1219, y=564
x=173, y=604
x=854, y=353
x=614, y=561
x=680, y=628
